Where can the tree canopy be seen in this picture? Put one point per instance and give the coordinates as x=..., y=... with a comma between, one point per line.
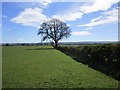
x=54, y=29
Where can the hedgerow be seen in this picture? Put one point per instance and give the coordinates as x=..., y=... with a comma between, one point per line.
x=102, y=57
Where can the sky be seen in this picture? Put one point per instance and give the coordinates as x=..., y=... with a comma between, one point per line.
x=89, y=21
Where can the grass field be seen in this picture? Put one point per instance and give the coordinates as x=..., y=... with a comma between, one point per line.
x=46, y=67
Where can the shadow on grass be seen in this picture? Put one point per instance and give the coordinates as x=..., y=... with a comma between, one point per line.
x=42, y=49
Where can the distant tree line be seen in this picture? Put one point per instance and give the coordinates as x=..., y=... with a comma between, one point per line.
x=52, y=43
x=25, y=44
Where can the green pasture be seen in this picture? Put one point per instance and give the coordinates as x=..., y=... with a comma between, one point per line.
x=46, y=67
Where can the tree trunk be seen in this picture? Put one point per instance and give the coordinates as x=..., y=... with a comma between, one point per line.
x=56, y=43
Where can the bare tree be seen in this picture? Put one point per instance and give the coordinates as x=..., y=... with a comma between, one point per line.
x=54, y=29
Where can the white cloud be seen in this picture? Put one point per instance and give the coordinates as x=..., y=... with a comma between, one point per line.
x=98, y=5
x=88, y=7
x=30, y=17
x=89, y=28
x=33, y=17
x=95, y=19
x=3, y=16
x=108, y=17
x=103, y=21
x=69, y=16
x=45, y=3
x=81, y=33
x=113, y=12
x=20, y=40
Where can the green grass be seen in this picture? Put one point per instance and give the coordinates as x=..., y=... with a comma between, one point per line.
x=46, y=67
